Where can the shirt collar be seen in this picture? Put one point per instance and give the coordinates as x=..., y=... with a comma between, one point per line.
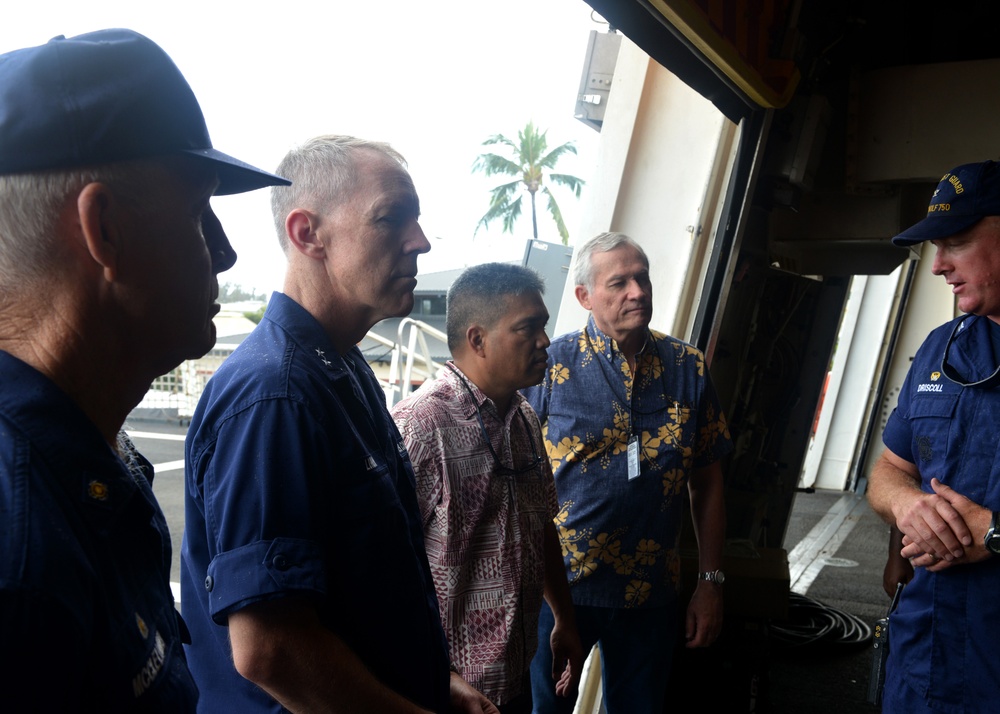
x=968, y=357
x=310, y=336
x=75, y=452
x=478, y=399
x=606, y=345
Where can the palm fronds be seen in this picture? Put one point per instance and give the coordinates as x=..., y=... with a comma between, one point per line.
x=528, y=161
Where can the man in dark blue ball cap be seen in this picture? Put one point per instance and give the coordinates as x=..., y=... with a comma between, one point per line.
x=109, y=253
x=938, y=479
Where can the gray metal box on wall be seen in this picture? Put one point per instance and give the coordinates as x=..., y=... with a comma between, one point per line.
x=551, y=261
x=598, y=73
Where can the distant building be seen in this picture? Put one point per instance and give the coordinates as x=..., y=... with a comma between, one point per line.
x=429, y=303
x=173, y=396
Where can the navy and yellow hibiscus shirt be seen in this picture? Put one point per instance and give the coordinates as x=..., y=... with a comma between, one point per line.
x=619, y=535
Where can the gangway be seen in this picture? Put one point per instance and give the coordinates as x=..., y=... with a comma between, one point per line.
x=410, y=356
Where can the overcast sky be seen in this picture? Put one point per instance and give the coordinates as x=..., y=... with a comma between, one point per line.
x=434, y=79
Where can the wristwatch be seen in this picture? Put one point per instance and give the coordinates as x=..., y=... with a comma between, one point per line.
x=992, y=539
x=718, y=577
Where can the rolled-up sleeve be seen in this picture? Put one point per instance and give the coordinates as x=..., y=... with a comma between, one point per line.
x=261, y=570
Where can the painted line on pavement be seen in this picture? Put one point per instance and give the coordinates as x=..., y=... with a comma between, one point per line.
x=808, y=557
x=154, y=435
x=168, y=466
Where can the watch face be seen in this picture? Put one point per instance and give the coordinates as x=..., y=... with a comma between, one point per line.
x=720, y=577
x=993, y=542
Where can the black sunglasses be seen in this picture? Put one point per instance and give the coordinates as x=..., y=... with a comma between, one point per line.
x=536, y=460
x=951, y=373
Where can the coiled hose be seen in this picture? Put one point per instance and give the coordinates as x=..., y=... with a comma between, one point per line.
x=811, y=622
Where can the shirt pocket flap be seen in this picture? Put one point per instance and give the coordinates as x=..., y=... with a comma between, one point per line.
x=933, y=405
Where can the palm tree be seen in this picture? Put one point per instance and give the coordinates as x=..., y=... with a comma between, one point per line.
x=526, y=159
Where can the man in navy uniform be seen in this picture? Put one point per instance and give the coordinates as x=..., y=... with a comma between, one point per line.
x=938, y=480
x=109, y=253
x=303, y=572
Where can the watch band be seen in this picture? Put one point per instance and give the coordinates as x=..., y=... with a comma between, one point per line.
x=992, y=538
x=713, y=576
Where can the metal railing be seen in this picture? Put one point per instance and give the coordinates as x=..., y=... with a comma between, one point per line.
x=411, y=357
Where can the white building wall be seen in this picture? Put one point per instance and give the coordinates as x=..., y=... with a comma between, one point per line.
x=830, y=458
x=657, y=151
x=931, y=304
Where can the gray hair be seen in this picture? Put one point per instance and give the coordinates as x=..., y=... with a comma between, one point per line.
x=323, y=171
x=583, y=267
x=478, y=296
x=31, y=204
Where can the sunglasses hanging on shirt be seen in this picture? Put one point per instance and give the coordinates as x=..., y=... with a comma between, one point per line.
x=955, y=376
x=536, y=460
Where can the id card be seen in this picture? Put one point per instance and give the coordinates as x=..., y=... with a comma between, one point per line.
x=633, y=457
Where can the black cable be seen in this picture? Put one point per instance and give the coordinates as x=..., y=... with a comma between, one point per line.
x=811, y=622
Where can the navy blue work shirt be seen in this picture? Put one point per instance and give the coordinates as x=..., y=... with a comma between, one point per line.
x=85, y=602
x=298, y=485
x=947, y=624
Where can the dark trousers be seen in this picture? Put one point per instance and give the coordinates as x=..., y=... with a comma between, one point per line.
x=636, y=651
x=521, y=704
x=899, y=698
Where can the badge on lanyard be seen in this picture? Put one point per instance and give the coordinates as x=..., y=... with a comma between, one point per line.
x=633, y=457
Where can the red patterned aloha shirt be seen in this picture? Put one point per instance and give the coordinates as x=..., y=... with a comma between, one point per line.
x=483, y=525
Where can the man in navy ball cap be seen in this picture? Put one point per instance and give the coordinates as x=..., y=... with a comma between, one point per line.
x=109, y=253
x=103, y=97
x=964, y=197
x=938, y=480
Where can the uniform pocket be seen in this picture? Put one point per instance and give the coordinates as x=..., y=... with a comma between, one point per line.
x=931, y=418
x=930, y=405
x=367, y=488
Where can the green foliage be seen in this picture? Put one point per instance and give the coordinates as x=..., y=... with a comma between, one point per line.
x=256, y=316
x=230, y=292
x=532, y=165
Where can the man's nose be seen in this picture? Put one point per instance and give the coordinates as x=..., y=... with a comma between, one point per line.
x=416, y=241
x=219, y=247
x=637, y=290
x=940, y=264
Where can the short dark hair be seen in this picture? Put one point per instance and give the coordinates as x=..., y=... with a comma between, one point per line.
x=479, y=296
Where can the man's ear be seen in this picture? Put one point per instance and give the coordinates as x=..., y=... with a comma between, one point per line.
x=97, y=211
x=301, y=228
x=583, y=296
x=475, y=340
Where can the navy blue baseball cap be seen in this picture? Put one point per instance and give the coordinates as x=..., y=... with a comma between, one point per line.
x=964, y=196
x=105, y=96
